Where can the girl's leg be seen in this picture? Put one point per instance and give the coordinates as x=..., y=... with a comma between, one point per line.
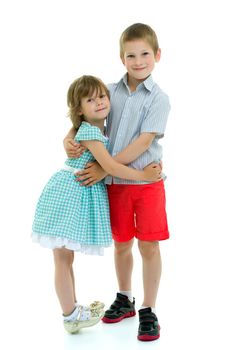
x=152, y=266
x=124, y=264
x=73, y=280
x=64, y=279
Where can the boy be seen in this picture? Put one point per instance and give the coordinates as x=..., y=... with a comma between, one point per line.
x=136, y=122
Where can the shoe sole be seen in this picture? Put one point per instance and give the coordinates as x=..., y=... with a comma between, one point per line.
x=115, y=320
x=148, y=337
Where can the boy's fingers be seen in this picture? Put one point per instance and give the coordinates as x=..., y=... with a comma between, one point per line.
x=89, y=182
x=75, y=144
x=88, y=165
x=80, y=173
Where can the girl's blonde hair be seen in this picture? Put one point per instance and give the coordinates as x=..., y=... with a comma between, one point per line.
x=139, y=31
x=82, y=87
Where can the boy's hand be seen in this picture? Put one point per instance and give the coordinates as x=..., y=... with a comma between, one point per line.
x=92, y=174
x=153, y=172
x=72, y=148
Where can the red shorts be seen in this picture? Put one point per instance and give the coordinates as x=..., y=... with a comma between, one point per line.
x=138, y=211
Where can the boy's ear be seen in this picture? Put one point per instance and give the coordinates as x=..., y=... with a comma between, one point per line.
x=158, y=55
x=122, y=60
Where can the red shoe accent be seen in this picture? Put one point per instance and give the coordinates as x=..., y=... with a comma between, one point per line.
x=115, y=320
x=147, y=337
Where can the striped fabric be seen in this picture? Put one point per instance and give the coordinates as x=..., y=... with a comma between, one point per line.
x=71, y=215
x=133, y=113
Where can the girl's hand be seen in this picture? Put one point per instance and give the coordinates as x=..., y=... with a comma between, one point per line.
x=153, y=172
x=72, y=148
x=92, y=174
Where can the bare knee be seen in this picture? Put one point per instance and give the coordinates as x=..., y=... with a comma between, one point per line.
x=63, y=256
x=123, y=248
x=148, y=248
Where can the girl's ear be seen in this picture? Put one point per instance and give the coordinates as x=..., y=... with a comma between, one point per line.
x=158, y=55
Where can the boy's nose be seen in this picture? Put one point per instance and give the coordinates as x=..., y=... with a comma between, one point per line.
x=138, y=61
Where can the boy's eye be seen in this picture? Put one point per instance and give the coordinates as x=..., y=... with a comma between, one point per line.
x=145, y=53
x=130, y=56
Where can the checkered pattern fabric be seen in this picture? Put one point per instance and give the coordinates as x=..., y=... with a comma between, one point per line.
x=70, y=211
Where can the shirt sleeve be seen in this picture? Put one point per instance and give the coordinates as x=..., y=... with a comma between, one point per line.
x=156, y=118
x=88, y=132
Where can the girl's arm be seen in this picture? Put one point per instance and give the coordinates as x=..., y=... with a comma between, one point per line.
x=114, y=168
x=135, y=149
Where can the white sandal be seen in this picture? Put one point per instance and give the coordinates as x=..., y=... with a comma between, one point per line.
x=85, y=318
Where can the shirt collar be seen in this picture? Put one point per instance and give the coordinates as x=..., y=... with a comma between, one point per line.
x=148, y=83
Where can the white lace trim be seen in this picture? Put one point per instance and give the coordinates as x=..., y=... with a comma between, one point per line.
x=59, y=242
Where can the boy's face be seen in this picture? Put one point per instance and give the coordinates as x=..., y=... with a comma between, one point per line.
x=139, y=59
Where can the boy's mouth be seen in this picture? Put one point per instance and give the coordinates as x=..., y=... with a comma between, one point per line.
x=139, y=69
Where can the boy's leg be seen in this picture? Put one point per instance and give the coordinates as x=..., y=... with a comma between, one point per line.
x=123, y=228
x=151, y=265
x=123, y=305
x=151, y=225
x=124, y=264
x=151, y=262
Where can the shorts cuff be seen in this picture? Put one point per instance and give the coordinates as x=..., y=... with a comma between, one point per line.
x=157, y=236
x=122, y=238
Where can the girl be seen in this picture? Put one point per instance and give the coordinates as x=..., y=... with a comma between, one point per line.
x=70, y=217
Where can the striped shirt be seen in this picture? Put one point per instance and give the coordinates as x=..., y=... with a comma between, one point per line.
x=133, y=113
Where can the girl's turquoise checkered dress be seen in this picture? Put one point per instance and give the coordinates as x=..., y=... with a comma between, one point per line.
x=73, y=216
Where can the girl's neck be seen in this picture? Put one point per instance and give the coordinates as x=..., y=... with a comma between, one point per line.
x=98, y=123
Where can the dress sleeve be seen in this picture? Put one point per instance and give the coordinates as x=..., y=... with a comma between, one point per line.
x=88, y=132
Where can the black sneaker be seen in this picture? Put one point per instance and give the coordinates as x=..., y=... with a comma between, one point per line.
x=120, y=309
x=148, y=325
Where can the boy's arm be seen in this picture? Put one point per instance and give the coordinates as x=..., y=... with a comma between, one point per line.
x=72, y=148
x=135, y=149
x=93, y=172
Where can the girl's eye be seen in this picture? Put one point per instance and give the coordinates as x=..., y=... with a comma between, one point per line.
x=90, y=100
x=102, y=96
x=130, y=56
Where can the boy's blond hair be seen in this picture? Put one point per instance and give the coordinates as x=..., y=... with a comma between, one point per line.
x=139, y=31
x=82, y=87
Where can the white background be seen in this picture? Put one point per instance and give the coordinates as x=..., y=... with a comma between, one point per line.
x=45, y=45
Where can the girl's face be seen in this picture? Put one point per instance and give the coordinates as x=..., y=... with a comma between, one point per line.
x=95, y=108
x=139, y=59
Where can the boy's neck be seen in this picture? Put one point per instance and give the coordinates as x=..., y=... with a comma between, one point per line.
x=133, y=83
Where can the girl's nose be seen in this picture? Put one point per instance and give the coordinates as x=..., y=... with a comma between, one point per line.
x=98, y=101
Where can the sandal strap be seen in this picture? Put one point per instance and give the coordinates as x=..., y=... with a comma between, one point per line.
x=83, y=313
